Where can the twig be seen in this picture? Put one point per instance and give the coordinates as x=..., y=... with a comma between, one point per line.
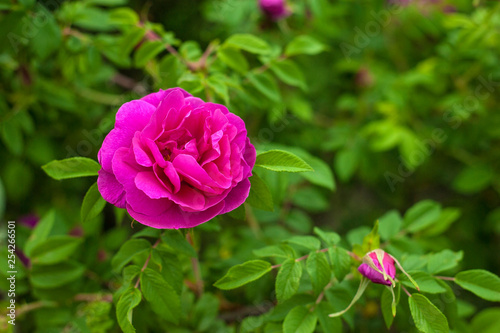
x=447, y=278
x=405, y=290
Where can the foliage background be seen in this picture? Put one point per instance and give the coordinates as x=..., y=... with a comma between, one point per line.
x=357, y=104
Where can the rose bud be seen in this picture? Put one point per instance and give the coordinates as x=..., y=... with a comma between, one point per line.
x=174, y=161
x=274, y=9
x=379, y=267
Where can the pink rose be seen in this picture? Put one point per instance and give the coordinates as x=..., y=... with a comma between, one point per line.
x=378, y=266
x=274, y=9
x=174, y=161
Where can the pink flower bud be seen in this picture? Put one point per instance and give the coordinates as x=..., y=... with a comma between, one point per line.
x=378, y=266
x=274, y=9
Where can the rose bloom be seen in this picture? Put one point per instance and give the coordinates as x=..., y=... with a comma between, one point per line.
x=174, y=161
x=275, y=9
x=373, y=268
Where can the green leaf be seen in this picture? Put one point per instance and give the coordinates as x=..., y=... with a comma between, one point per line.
x=128, y=251
x=217, y=83
x=54, y=249
x=177, y=242
x=304, y=44
x=249, y=43
x=287, y=71
x=147, y=51
x=309, y=242
x=260, y=197
x=124, y=16
x=427, y=317
x=233, y=58
x=480, y=282
x=346, y=163
x=327, y=323
x=52, y=276
x=288, y=279
x=425, y=281
x=389, y=224
x=93, y=204
x=124, y=308
x=300, y=320
x=322, y=174
x=266, y=85
x=443, y=261
x=341, y=262
x=41, y=232
x=319, y=270
x=242, y=274
x=486, y=321
x=48, y=38
x=281, y=251
x=280, y=160
x=12, y=136
x=387, y=305
x=421, y=215
x=164, y=300
x=444, y=221
x=329, y=237
x=473, y=179
x=71, y=168
x=107, y=3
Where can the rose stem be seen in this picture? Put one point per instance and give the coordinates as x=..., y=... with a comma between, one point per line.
x=196, y=264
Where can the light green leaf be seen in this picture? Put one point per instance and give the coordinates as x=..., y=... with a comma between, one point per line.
x=389, y=224
x=71, y=168
x=233, y=58
x=486, y=321
x=304, y=45
x=128, y=251
x=327, y=323
x=242, y=274
x=280, y=160
x=164, y=300
x=387, y=305
x=426, y=315
x=52, y=276
x=93, y=204
x=300, y=320
x=147, y=51
x=287, y=71
x=329, y=237
x=260, y=197
x=322, y=174
x=443, y=261
x=421, y=215
x=266, y=85
x=54, y=249
x=309, y=242
x=288, y=279
x=249, y=43
x=124, y=308
x=319, y=270
x=480, y=282
x=346, y=163
x=444, y=221
x=425, y=281
x=341, y=262
x=281, y=251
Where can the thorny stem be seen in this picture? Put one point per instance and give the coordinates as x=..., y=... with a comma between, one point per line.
x=146, y=263
x=405, y=290
x=196, y=265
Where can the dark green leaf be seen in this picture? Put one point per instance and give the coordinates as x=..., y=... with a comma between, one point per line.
x=147, y=51
x=300, y=320
x=164, y=300
x=266, y=85
x=233, y=58
x=93, y=204
x=242, y=274
x=51, y=276
x=177, y=242
x=486, y=321
x=71, y=168
x=40, y=232
x=319, y=270
x=287, y=71
x=341, y=262
x=124, y=308
x=260, y=197
x=288, y=279
x=128, y=251
x=54, y=249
